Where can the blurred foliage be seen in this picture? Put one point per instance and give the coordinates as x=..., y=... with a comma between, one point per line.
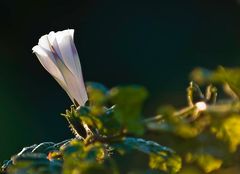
x=202, y=137
x=203, y=159
x=228, y=130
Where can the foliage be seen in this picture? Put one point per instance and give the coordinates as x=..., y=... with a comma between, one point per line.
x=203, y=137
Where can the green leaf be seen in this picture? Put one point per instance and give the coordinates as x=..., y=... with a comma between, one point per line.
x=110, y=125
x=97, y=93
x=147, y=147
x=129, y=101
x=91, y=159
x=161, y=157
x=171, y=165
x=206, y=162
x=75, y=122
x=34, y=163
x=228, y=130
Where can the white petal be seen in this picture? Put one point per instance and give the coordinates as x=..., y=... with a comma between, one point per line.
x=58, y=54
x=44, y=42
x=65, y=42
x=70, y=56
x=53, y=42
x=75, y=55
x=74, y=85
x=50, y=66
x=64, y=86
x=78, y=66
x=47, y=60
x=71, y=32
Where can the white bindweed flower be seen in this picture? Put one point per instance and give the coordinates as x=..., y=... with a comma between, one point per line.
x=58, y=55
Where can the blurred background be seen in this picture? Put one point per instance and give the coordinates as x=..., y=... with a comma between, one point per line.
x=152, y=43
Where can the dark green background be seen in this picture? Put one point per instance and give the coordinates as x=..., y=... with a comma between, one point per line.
x=152, y=43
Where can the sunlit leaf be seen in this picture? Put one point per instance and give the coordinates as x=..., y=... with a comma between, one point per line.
x=228, y=130
x=128, y=101
x=161, y=157
x=206, y=162
x=171, y=164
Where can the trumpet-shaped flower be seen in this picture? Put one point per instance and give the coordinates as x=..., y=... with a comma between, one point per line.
x=57, y=53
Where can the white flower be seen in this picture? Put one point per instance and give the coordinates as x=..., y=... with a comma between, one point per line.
x=58, y=55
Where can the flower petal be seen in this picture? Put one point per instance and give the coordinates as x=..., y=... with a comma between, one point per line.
x=47, y=60
x=69, y=56
x=64, y=40
x=58, y=54
x=75, y=87
x=53, y=42
x=44, y=42
x=50, y=65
